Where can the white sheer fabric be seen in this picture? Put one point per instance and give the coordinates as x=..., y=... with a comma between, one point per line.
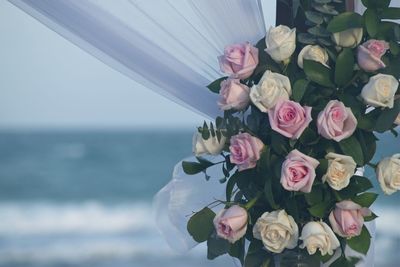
x=168, y=46
x=176, y=202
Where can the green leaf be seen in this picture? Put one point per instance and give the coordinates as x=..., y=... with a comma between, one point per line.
x=391, y=13
x=205, y=132
x=315, y=196
x=387, y=117
x=299, y=88
x=279, y=144
x=319, y=31
x=216, y=246
x=344, y=67
x=215, y=86
x=365, y=199
x=319, y=210
x=318, y=73
x=200, y=225
x=376, y=3
x=368, y=144
x=351, y=147
x=345, y=21
x=358, y=184
x=306, y=38
x=191, y=168
x=268, y=192
x=373, y=216
x=371, y=22
x=257, y=256
x=231, y=183
x=237, y=250
x=362, y=242
x=394, y=48
x=314, y=17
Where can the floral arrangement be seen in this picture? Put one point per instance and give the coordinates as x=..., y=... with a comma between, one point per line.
x=300, y=111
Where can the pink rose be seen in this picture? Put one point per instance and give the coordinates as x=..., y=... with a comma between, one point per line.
x=231, y=224
x=298, y=172
x=347, y=219
x=369, y=55
x=233, y=95
x=245, y=150
x=289, y=118
x=336, y=121
x=239, y=60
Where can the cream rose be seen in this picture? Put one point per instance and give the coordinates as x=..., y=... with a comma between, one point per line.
x=388, y=173
x=318, y=235
x=209, y=146
x=348, y=38
x=281, y=42
x=277, y=230
x=313, y=52
x=340, y=169
x=271, y=88
x=380, y=91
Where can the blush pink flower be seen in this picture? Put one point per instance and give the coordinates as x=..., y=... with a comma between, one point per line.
x=239, y=60
x=347, y=219
x=289, y=118
x=233, y=95
x=245, y=150
x=336, y=121
x=298, y=172
x=369, y=55
x=231, y=224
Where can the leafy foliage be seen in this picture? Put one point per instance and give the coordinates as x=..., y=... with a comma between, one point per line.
x=259, y=189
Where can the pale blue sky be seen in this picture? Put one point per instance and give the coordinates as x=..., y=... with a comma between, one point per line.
x=46, y=81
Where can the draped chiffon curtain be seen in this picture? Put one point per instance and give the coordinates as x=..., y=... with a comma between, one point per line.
x=169, y=46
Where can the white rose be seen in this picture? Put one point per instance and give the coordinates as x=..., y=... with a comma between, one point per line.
x=388, y=173
x=348, y=38
x=340, y=169
x=313, y=52
x=209, y=146
x=281, y=42
x=318, y=235
x=277, y=230
x=271, y=88
x=380, y=91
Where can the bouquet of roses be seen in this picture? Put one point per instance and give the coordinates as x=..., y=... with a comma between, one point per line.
x=300, y=111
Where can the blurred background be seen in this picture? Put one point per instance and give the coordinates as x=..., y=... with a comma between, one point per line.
x=83, y=150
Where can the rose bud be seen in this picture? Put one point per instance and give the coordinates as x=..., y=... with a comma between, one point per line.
x=313, y=52
x=319, y=236
x=369, y=55
x=210, y=146
x=348, y=38
x=347, y=219
x=233, y=95
x=231, y=223
x=388, y=174
x=380, y=91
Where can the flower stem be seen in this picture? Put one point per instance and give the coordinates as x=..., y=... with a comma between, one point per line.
x=253, y=201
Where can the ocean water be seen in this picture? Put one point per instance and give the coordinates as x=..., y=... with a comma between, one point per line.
x=75, y=198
